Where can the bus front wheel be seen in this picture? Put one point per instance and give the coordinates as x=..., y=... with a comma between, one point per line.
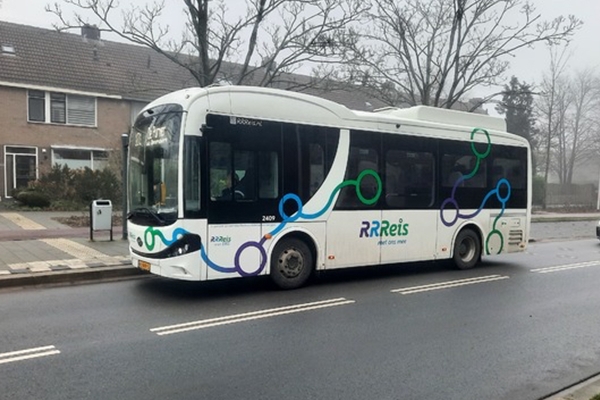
x=467, y=249
x=291, y=263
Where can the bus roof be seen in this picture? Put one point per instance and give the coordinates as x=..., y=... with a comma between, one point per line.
x=320, y=110
x=446, y=116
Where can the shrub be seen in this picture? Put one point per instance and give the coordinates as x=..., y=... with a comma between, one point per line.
x=31, y=198
x=56, y=184
x=90, y=185
x=74, y=189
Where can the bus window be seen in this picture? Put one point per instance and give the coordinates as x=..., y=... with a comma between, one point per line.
x=191, y=184
x=409, y=179
x=268, y=175
x=317, y=166
x=360, y=159
x=220, y=171
x=511, y=169
x=456, y=166
x=243, y=163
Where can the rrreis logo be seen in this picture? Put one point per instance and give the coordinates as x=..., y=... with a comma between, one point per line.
x=220, y=240
x=385, y=230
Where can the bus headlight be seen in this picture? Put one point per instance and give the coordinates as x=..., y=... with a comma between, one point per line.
x=179, y=250
x=186, y=244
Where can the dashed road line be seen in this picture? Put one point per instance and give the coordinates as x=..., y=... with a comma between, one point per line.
x=566, y=267
x=22, y=222
x=249, y=316
x=449, y=284
x=28, y=354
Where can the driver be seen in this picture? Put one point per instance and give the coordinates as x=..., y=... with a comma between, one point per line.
x=230, y=188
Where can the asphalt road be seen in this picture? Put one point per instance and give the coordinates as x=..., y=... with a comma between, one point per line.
x=521, y=327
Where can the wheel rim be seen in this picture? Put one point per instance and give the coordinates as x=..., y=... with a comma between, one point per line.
x=291, y=263
x=466, y=249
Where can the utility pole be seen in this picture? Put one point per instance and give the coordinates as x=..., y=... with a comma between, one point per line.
x=124, y=149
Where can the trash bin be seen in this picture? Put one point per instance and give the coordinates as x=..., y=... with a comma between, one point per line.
x=100, y=217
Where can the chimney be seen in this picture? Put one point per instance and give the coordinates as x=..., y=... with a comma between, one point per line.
x=90, y=32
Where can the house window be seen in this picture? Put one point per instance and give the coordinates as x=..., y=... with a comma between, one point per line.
x=81, y=158
x=58, y=112
x=61, y=108
x=37, y=106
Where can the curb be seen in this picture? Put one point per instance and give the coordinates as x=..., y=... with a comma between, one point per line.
x=583, y=390
x=71, y=276
x=563, y=219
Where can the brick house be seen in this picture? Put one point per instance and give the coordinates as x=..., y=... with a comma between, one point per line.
x=67, y=98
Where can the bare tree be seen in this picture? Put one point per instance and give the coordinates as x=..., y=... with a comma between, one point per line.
x=433, y=52
x=261, y=45
x=568, y=112
x=548, y=104
x=582, y=128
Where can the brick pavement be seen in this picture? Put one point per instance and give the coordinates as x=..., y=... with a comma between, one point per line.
x=35, y=246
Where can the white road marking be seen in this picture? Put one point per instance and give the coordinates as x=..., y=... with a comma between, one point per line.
x=449, y=284
x=231, y=319
x=74, y=249
x=565, y=267
x=28, y=354
x=22, y=222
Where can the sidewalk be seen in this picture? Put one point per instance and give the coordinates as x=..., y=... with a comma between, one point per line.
x=37, y=249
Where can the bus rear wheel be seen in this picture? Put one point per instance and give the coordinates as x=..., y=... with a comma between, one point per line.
x=291, y=264
x=467, y=249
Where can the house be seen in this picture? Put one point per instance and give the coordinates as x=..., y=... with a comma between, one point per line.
x=67, y=98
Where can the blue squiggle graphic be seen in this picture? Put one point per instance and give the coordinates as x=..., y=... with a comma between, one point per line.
x=285, y=220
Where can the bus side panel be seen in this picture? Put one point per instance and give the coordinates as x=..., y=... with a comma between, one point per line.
x=353, y=238
x=197, y=265
x=507, y=233
x=408, y=235
x=234, y=251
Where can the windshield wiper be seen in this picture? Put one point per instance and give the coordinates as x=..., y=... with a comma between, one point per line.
x=144, y=212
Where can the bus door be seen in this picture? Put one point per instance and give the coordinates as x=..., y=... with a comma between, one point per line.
x=244, y=180
x=409, y=221
x=354, y=227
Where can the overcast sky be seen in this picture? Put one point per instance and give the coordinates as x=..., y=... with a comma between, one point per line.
x=527, y=65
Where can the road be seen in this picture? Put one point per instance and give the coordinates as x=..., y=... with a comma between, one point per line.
x=518, y=327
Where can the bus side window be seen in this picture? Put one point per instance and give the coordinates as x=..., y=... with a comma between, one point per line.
x=395, y=179
x=220, y=169
x=317, y=167
x=268, y=175
x=360, y=159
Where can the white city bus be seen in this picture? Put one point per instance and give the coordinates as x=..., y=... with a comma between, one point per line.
x=242, y=181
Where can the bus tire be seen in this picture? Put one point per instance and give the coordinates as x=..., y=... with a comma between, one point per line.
x=291, y=263
x=467, y=249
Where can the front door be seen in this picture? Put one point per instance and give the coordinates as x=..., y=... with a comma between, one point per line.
x=20, y=168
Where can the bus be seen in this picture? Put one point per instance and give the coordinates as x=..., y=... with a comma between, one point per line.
x=235, y=181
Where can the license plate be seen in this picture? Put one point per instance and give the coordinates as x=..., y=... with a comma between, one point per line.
x=144, y=265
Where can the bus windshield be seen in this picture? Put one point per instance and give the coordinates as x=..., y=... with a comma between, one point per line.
x=153, y=155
